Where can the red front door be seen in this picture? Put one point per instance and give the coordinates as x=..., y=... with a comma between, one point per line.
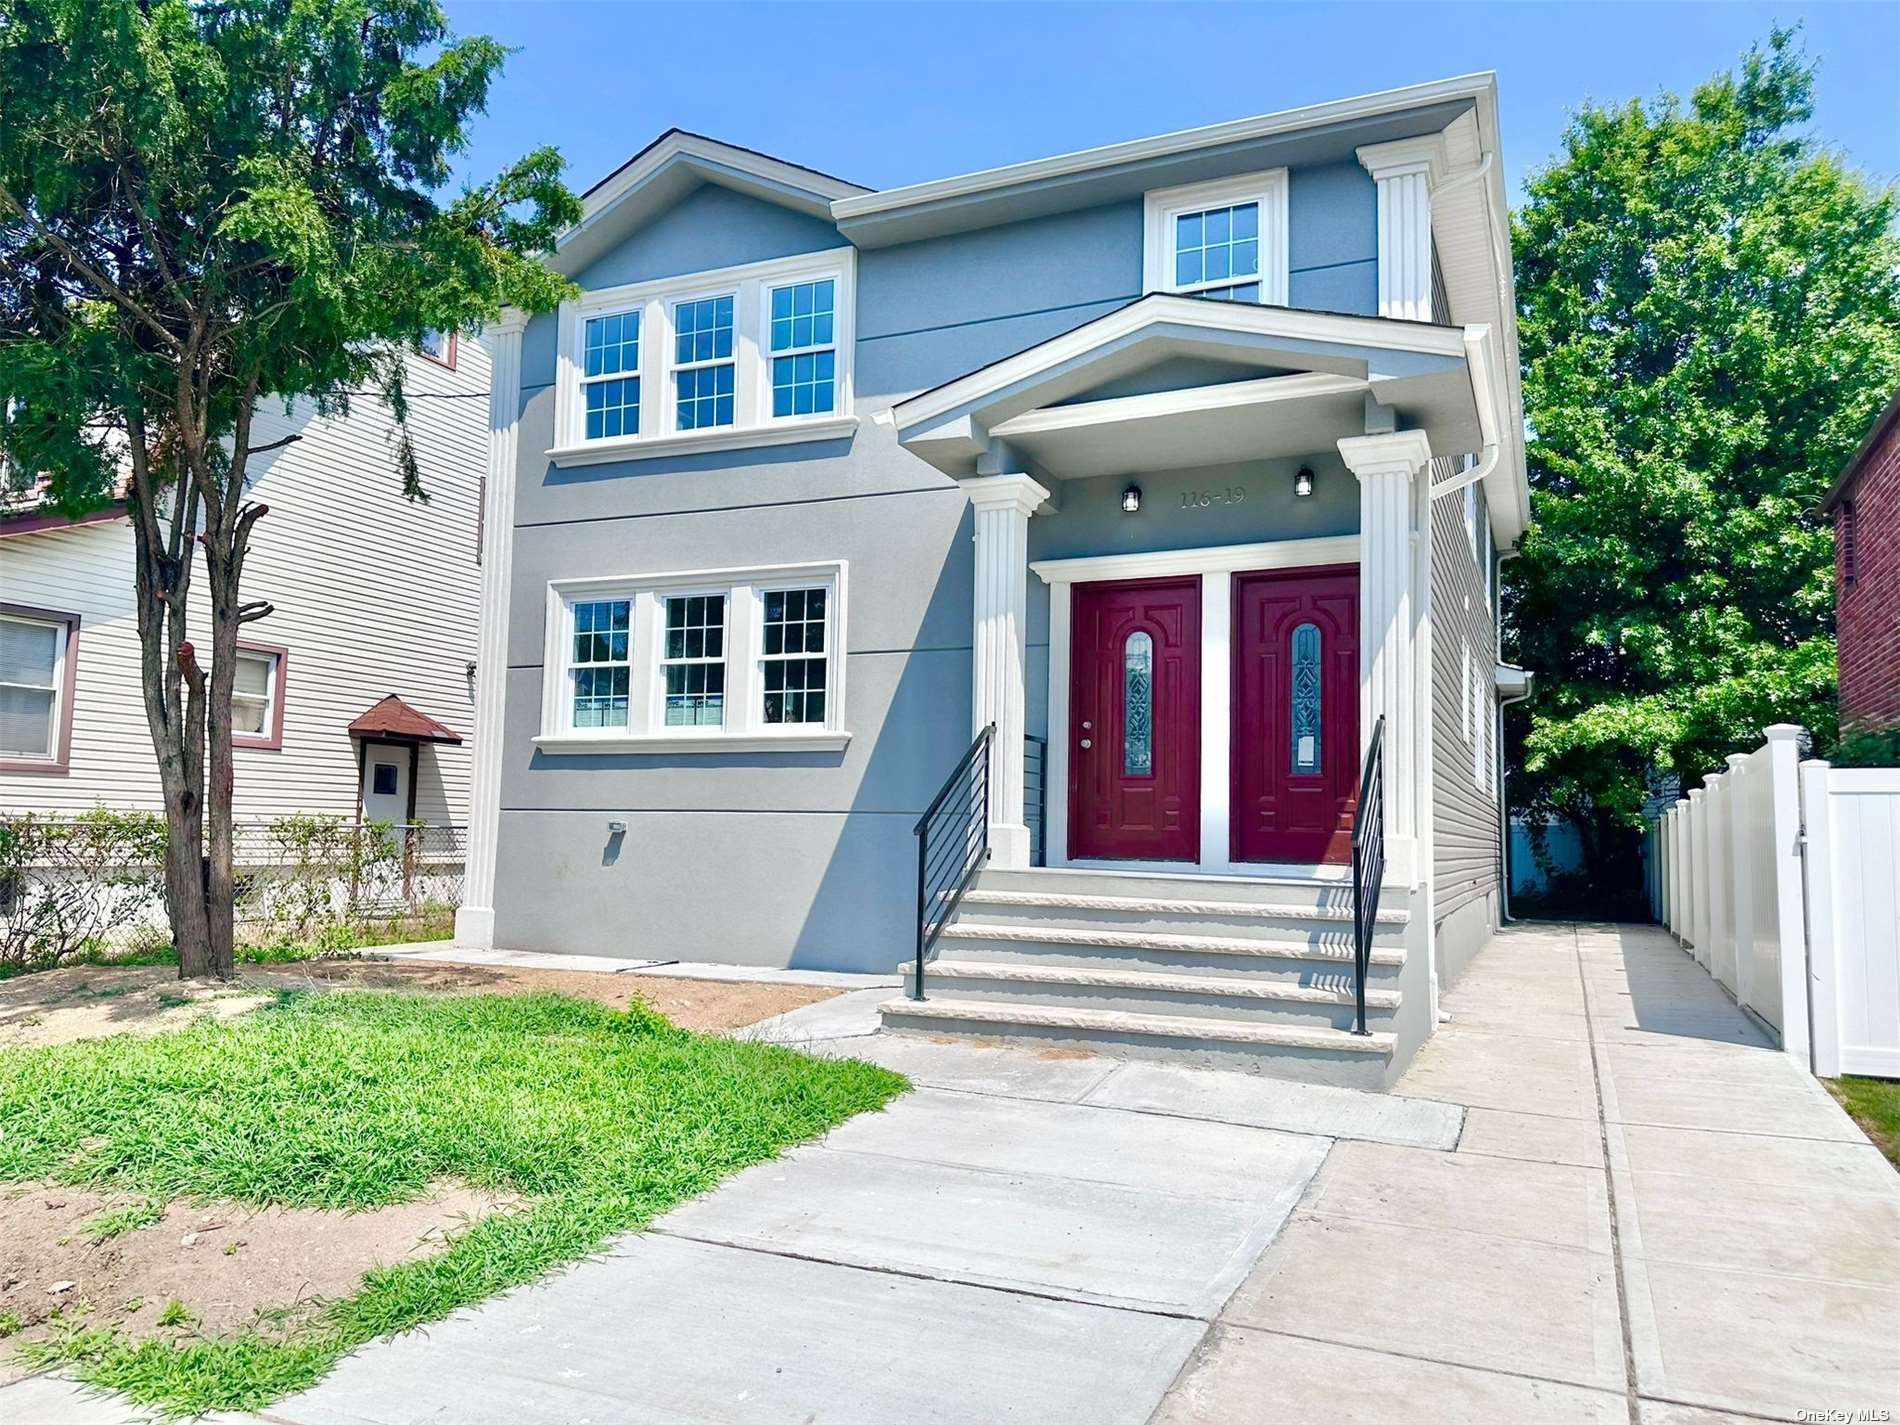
x=1296, y=714
x=1135, y=721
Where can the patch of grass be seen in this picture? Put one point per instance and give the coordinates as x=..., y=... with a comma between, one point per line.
x=176, y=1313
x=1875, y=1105
x=334, y=940
x=121, y=1220
x=10, y=1324
x=598, y=1120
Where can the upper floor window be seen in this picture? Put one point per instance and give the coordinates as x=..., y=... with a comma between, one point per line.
x=1224, y=240
x=438, y=346
x=36, y=683
x=748, y=355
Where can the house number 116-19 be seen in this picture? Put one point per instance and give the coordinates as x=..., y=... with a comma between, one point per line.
x=1207, y=499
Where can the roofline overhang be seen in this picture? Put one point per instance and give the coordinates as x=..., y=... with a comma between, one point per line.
x=1471, y=87
x=1850, y=472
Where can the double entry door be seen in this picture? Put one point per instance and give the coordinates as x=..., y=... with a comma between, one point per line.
x=1138, y=772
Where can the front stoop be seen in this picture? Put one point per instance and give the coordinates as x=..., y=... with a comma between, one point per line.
x=1214, y=972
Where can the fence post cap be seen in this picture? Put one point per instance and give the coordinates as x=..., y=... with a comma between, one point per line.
x=1736, y=759
x=1783, y=731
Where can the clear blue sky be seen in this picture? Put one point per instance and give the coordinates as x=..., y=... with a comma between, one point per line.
x=886, y=94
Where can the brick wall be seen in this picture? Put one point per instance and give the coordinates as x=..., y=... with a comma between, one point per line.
x=1869, y=603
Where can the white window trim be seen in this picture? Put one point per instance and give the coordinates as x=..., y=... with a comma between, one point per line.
x=745, y=728
x=267, y=737
x=1268, y=189
x=753, y=421
x=59, y=712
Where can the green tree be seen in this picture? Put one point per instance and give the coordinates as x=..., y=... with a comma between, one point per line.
x=1709, y=318
x=206, y=206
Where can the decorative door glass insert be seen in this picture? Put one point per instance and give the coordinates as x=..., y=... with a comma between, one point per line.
x=1306, y=700
x=1138, y=706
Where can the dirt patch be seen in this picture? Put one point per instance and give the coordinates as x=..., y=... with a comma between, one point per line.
x=90, y=1002
x=206, y=1269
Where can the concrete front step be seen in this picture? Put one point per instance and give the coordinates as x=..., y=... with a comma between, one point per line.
x=1316, y=925
x=1306, y=892
x=1145, y=991
x=1281, y=961
x=1311, y=1053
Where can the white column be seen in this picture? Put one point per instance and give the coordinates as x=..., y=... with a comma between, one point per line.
x=475, y=920
x=1217, y=717
x=1405, y=171
x=1790, y=928
x=1000, y=610
x=1390, y=498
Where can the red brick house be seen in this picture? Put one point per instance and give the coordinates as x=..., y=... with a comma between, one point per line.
x=1865, y=504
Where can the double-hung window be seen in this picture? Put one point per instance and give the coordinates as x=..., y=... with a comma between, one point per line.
x=735, y=659
x=36, y=654
x=610, y=375
x=804, y=354
x=752, y=355
x=704, y=367
x=257, y=696
x=1225, y=240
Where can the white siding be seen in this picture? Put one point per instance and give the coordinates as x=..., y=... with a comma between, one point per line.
x=373, y=595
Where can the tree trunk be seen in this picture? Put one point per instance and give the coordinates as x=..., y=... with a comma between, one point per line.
x=221, y=878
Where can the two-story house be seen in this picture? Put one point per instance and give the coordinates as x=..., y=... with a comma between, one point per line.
x=353, y=698
x=1168, y=471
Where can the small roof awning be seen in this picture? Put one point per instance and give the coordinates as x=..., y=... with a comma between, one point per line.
x=393, y=718
x=1171, y=382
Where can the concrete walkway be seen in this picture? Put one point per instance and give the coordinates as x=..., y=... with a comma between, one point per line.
x=1598, y=1196
x=1651, y=1216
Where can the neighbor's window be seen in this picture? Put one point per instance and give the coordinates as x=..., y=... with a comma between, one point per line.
x=1224, y=240
x=695, y=660
x=602, y=664
x=256, y=684
x=721, y=656
x=33, y=654
x=438, y=346
x=794, y=655
x=804, y=363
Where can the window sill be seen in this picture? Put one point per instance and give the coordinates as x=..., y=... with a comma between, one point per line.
x=600, y=452
x=40, y=765
x=588, y=744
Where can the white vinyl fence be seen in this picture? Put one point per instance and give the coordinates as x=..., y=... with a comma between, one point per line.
x=1780, y=876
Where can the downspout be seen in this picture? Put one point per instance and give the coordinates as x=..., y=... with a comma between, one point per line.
x=1497, y=751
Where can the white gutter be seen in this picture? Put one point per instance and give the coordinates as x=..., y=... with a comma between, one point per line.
x=1478, y=362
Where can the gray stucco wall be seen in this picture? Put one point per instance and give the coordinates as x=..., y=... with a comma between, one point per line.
x=808, y=858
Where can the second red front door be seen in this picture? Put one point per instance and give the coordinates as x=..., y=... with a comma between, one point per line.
x=1296, y=715
x=1135, y=721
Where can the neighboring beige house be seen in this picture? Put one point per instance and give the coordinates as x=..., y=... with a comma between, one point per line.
x=354, y=696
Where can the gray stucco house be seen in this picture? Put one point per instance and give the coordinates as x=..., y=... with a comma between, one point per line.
x=1182, y=464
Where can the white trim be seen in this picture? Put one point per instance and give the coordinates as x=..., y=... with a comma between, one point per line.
x=1225, y=558
x=57, y=710
x=1481, y=86
x=580, y=744
x=1188, y=401
x=744, y=728
x=634, y=175
x=1161, y=206
x=1215, y=569
x=1424, y=153
x=749, y=285
x=1379, y=333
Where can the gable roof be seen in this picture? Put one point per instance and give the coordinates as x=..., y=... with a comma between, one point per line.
x=669, y=168
x=392, y=717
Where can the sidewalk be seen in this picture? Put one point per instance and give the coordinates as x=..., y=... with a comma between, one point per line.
x=1060, y=1238
x=1737, y=1251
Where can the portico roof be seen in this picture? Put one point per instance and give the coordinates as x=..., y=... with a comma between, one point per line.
x=1171, y=382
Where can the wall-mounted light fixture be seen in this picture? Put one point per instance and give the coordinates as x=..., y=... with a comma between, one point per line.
x=1131, y=500
x=1303, y=482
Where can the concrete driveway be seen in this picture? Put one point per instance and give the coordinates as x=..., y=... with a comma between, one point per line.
x=1598, y=1196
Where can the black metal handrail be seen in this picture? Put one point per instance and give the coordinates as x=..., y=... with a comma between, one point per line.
x=1036, y=795
x=953, y=842
x=1368, y=865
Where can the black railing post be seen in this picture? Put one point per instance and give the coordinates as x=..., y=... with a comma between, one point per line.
x=917, y=985
x=1368, y=867
x=944, y=876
